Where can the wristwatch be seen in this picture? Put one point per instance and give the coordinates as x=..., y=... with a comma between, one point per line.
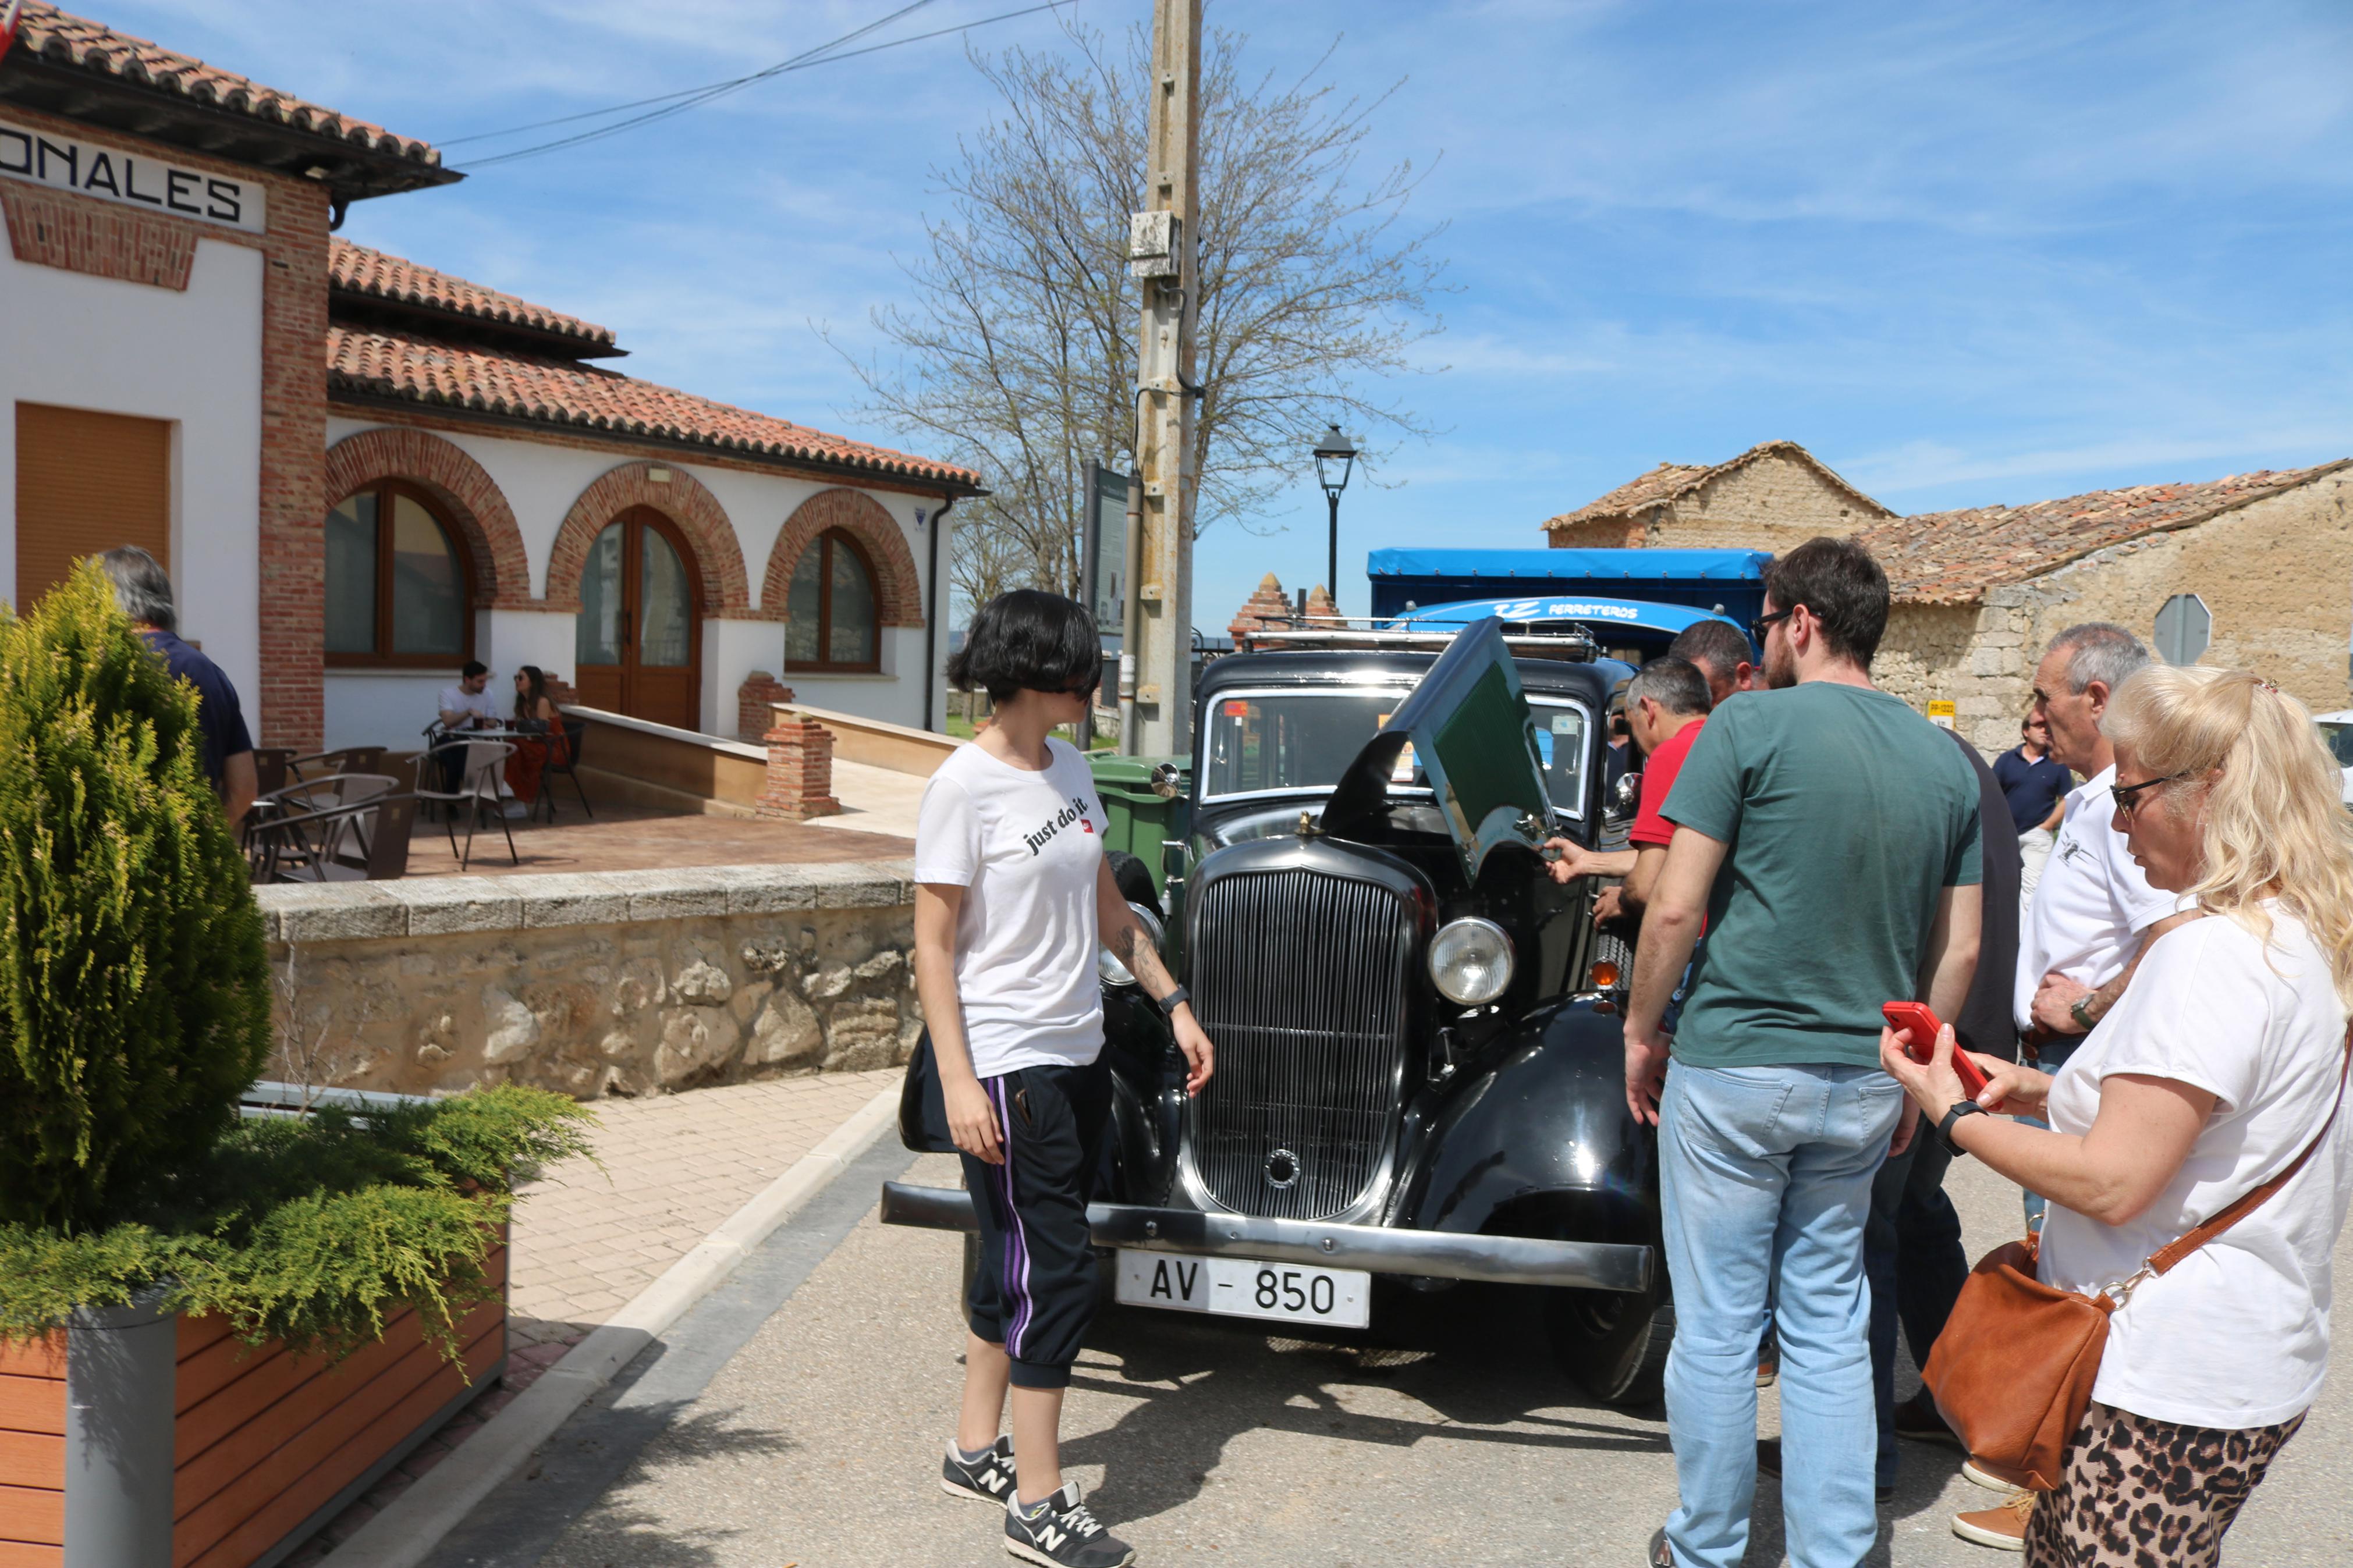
x=1174, y=1000
x=2082, y=1012
x=1945, y=1129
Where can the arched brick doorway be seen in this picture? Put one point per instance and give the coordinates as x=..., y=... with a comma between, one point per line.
x=639, y=637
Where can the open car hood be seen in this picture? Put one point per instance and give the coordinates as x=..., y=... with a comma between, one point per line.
x=1472, y=740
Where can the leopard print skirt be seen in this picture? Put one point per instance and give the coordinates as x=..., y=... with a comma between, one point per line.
x=2138, y=1493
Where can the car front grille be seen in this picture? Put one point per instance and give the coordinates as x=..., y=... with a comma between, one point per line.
x=1301, y=979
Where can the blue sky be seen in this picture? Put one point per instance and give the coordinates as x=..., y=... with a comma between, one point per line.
x=1966, y=253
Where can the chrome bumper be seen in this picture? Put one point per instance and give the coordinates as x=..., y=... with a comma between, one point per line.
x=1437, y=1254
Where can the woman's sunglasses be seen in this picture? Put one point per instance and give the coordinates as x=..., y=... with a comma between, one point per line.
x=2128, y=795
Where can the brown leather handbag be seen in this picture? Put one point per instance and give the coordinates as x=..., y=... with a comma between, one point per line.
x=2013, y=1370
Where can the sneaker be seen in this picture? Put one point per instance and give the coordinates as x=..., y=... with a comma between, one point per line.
x=1768, y=1461
x=1986, y=1478
x=1061, y=1534
x=1660, y=1554
x=515, y=810
x=1769, y=1364
x=989, y=1478
x=2002, y=1528
x=1916, y=1418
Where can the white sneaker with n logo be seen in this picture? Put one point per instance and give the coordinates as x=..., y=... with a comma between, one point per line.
x=1060, y=1533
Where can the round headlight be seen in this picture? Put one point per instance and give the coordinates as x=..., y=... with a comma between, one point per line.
x=1471, y=961
x=1110, y=970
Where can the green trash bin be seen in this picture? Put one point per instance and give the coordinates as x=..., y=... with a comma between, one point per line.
x=1142, y=819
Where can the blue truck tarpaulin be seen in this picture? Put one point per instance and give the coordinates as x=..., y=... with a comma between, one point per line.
x=1600, y=615
x=1728, y=583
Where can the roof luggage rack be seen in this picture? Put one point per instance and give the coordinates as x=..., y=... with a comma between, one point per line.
x=1573, y=645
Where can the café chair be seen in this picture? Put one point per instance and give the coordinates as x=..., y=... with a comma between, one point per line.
x=575, y=731
x=481, y=765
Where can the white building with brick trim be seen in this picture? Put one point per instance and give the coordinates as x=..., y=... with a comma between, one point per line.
x=362, y=472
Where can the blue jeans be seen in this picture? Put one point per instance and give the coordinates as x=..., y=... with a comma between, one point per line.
x=1765, y=1174
x=1912, y=1253
x=2048, y=1056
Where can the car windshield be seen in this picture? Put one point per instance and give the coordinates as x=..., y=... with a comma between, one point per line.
x=1263, y=742
x=2340, y=741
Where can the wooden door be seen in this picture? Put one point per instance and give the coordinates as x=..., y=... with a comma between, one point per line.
x=639, y=638
x=87, y=482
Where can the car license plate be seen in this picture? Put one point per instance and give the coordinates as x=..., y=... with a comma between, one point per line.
x=1245, y=1288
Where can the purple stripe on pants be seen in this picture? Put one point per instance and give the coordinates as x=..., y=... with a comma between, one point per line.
x=1017, y=1244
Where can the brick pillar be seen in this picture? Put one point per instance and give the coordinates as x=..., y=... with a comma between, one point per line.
x=755, y=702
x=1320, y=607
x=800, y=770
x=293, y=565
x=559, y=690
x=1263, y=609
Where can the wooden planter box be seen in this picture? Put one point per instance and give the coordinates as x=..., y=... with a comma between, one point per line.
x=267, y=1446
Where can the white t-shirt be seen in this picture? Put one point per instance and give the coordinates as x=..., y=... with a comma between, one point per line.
x=1026, y=848
x=2091, y=905
x=458, y=699
x=2237, y=1334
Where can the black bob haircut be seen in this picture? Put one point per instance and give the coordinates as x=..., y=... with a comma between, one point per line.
x=1029, y=640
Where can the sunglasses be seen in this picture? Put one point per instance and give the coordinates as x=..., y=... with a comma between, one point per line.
x=2128, y=795
x=1762, y=624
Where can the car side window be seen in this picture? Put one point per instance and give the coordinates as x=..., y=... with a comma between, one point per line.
x=1562, y=736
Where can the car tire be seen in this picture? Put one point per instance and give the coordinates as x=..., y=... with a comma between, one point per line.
x=1133, y=879
x=1614, y=1343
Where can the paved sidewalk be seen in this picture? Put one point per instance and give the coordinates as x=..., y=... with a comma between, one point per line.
x=585, y=1240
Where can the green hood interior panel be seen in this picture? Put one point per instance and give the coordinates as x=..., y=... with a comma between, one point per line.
x=1474, y=742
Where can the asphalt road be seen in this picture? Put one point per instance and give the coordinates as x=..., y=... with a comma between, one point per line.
x=817, y=1442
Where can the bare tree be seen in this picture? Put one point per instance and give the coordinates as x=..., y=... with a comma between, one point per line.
x=1017, y=354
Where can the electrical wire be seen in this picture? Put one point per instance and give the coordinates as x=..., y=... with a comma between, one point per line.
x=695, y=97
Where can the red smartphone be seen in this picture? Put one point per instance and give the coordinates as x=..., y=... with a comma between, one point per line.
x=1923, y=1024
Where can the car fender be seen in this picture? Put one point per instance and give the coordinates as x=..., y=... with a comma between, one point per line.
x=1546, y=1118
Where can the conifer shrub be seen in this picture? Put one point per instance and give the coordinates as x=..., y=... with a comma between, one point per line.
x=134, y=1010
x=135, y=992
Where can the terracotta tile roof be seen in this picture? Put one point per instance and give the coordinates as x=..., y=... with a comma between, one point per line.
x=1672, y=481
x=357, y=269
x=413, y=369
x=62, y=39
x=1953, y=557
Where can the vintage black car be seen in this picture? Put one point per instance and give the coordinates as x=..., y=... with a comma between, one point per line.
x=1419, y=1067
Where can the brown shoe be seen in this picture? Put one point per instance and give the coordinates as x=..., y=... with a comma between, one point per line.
x=2002, y=1528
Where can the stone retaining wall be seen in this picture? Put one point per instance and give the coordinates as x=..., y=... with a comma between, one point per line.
x=610, y=983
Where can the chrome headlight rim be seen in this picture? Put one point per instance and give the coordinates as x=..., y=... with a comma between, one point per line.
x=1444, y=966
x=1109, y=969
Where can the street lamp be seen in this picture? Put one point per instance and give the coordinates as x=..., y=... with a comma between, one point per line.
x=1335, y=456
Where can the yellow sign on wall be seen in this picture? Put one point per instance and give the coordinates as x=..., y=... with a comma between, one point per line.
x=1940, y=714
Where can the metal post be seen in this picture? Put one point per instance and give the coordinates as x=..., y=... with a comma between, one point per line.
x=1332, y=578
x=122, y=1366
x=1130, y=613
x=1163, y=584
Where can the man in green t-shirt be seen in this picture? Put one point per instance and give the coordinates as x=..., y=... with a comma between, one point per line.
x=1828, y=837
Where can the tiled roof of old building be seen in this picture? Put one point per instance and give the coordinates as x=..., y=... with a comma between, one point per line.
x=409, y=368
x=1953, y=557
x=376, y=274
x=62, y=39
x=1672, y=481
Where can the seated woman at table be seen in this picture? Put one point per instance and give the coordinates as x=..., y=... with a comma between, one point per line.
x=539, y=739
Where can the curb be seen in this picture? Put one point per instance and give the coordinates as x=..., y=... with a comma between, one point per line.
x=415, y=1523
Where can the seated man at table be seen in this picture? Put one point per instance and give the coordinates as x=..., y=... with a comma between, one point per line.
x=467, y=705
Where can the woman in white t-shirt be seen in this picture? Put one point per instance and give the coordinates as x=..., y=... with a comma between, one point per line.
x=1013, y=895
x=2221, y=1066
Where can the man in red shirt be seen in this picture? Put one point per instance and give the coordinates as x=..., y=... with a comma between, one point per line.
x=1666, y=705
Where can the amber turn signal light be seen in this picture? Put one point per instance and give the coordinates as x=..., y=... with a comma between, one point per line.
x=1605, y=976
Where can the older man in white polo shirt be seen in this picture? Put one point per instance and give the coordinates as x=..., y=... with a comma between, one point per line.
x=2093, y=912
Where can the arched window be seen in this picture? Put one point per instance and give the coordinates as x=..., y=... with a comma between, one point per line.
x=833, y=623
x=397, y=582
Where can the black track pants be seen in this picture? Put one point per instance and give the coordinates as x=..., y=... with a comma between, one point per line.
x=1034, y=1292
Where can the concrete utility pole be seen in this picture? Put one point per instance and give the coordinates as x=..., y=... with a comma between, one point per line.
x=1156, y=669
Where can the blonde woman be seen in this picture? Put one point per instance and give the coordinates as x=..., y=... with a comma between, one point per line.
x=2215, y=1071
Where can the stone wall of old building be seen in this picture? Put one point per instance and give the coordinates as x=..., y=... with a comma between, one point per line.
x=615, y=983
x=2277, y=577
x=1980, y=657
x=1775, y=503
